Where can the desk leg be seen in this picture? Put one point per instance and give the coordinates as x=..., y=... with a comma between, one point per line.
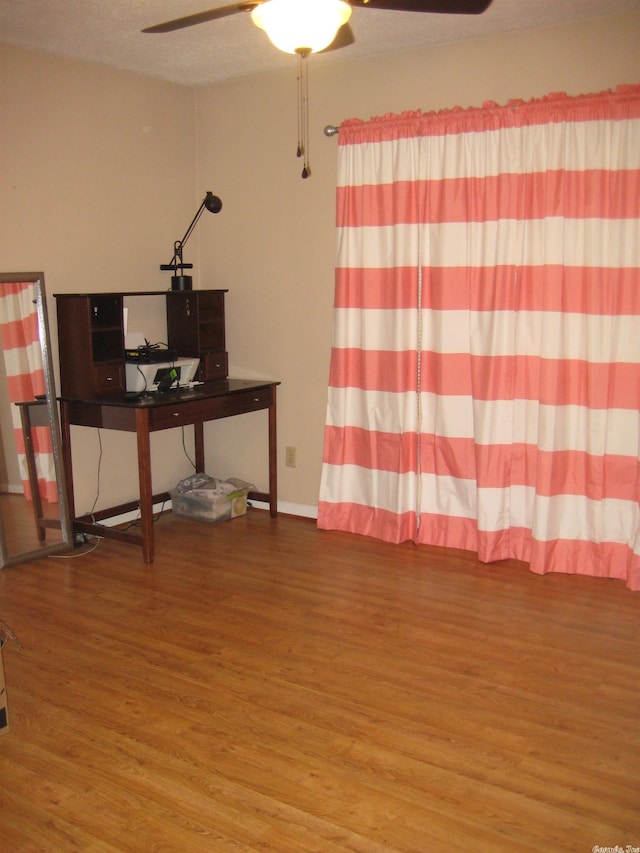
x=273, y=460
x=144, y=475
x=198, y=437
x=65, y=429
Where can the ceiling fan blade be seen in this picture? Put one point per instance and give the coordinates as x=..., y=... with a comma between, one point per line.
x=447, y=7
x=203, y=17
x=344, y=37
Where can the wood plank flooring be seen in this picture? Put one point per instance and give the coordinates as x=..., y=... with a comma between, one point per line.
x=265, y=686
x=20, y=531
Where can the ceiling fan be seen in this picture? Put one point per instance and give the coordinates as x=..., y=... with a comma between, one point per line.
x=303, y=27
x=316, y=18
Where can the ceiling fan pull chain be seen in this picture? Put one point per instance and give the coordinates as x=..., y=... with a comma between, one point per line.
x=304, y=113
x=299, y=93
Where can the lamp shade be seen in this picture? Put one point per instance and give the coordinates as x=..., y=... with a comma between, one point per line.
x=301, y=25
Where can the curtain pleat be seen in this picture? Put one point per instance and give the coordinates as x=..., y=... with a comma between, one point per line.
x=484, y=388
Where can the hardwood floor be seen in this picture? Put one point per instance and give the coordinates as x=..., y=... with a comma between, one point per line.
x=19, y=525
x=265, y=686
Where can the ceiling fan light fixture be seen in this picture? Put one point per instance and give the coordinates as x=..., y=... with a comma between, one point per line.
x=295, y=25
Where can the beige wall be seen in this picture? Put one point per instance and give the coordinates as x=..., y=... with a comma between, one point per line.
x=97, y=179
x=100, y=171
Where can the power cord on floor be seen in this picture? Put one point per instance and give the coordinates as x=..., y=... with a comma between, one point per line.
x=80, y=540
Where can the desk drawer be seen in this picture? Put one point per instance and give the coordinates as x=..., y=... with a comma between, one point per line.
x=108, y=378
x=251, y=401
x=189, y=412
x=178, y=414
x=214, y=365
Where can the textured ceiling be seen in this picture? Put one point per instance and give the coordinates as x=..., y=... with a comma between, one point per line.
x=109, y=32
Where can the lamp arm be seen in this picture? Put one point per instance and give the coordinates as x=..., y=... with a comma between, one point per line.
x=176, y=260
x=189, y=230
x=213, y=205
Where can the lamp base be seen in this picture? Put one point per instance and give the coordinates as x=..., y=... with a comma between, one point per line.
x=181, y=282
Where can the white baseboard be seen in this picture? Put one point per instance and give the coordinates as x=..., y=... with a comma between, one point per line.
x=128, y=517
x=289, y=508
x=285, y=507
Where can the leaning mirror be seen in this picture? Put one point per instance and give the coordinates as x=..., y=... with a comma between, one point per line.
x=34, y=507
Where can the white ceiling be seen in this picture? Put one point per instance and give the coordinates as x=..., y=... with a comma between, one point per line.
x=109, y=32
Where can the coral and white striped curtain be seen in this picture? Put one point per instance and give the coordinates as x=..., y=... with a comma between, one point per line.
x=19, y=332
x=484, y=388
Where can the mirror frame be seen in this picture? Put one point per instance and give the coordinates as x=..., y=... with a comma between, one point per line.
x=6, y=559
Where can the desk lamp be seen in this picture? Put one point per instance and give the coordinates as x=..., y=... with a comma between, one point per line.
x=179, y=281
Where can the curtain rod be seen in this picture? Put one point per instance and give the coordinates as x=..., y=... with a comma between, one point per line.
x=331, y=130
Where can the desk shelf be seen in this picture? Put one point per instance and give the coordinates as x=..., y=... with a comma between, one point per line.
x=196, y=328
x=91, y=337
x=91, y=343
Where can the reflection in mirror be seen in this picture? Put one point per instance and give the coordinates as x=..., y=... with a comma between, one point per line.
x=34, y=507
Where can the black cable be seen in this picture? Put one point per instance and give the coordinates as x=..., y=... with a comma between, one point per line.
x=98, y=477
x=144, y=379
x=184, y=447
x=136, y=521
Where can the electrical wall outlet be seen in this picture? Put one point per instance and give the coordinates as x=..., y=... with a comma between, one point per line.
x=290, y=457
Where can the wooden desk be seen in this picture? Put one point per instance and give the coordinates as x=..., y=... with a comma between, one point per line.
x=193, y=406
